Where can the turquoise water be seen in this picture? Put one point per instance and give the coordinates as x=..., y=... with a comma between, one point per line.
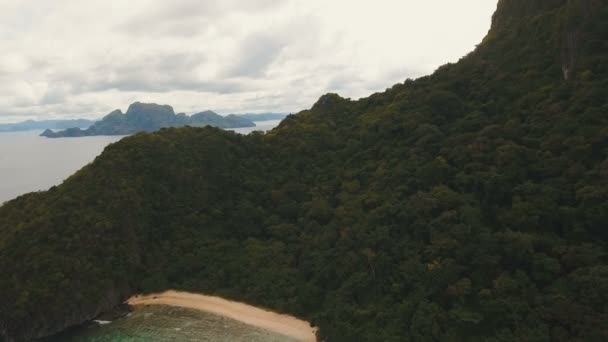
x=156, y=323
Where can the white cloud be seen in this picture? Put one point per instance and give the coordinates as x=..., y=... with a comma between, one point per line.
x=12, y=63
x=72, y=58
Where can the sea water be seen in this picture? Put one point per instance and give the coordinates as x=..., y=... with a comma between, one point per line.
x=31, y=163
x=160, y=323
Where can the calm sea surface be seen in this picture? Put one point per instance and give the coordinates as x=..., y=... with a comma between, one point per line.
x=159, y=323
x=31, y=163
x=259, y=126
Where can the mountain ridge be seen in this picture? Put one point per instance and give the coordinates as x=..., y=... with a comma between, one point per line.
x=149, y=117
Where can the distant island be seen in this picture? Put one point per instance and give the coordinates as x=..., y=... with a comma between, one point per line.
x=31, y=125
x=263, y=116
x=149, y=117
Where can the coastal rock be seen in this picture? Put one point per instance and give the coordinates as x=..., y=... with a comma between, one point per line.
x=49, y=325
x=48, y=133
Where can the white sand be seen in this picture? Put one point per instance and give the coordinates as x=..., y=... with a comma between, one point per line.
x=281, y=324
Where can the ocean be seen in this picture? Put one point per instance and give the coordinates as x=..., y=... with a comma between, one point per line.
x=160, y=323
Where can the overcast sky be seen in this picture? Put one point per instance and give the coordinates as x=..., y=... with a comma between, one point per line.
x=84, y=58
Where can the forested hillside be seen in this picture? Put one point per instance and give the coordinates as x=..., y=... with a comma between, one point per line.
x=469, y=205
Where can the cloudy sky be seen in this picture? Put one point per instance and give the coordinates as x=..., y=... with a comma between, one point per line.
x=84, y=58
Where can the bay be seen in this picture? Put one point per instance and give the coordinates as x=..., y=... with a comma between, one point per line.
x=31, y=163
x=160, y=323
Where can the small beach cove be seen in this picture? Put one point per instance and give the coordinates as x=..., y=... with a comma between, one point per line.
x=188, y=317
x=278, y=323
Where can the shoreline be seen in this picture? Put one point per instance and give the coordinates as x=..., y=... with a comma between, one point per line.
x=251, y=315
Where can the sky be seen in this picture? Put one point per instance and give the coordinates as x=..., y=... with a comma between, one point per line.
x=85, y=58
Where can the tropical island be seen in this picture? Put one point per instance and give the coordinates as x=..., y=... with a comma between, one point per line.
x=468, y=205
x=149, y=117
x=262, y=116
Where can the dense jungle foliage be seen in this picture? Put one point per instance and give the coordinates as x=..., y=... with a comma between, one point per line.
x=468, y=205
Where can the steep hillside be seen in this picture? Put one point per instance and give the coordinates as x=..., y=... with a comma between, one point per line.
x=467, y=205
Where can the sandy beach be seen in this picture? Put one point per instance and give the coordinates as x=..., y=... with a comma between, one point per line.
x=281, y=324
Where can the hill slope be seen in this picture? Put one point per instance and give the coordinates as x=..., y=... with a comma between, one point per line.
x=467, y=205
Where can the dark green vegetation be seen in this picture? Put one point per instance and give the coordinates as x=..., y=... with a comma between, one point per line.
x=149, y=117
x=30, y=125
x=467, y=205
